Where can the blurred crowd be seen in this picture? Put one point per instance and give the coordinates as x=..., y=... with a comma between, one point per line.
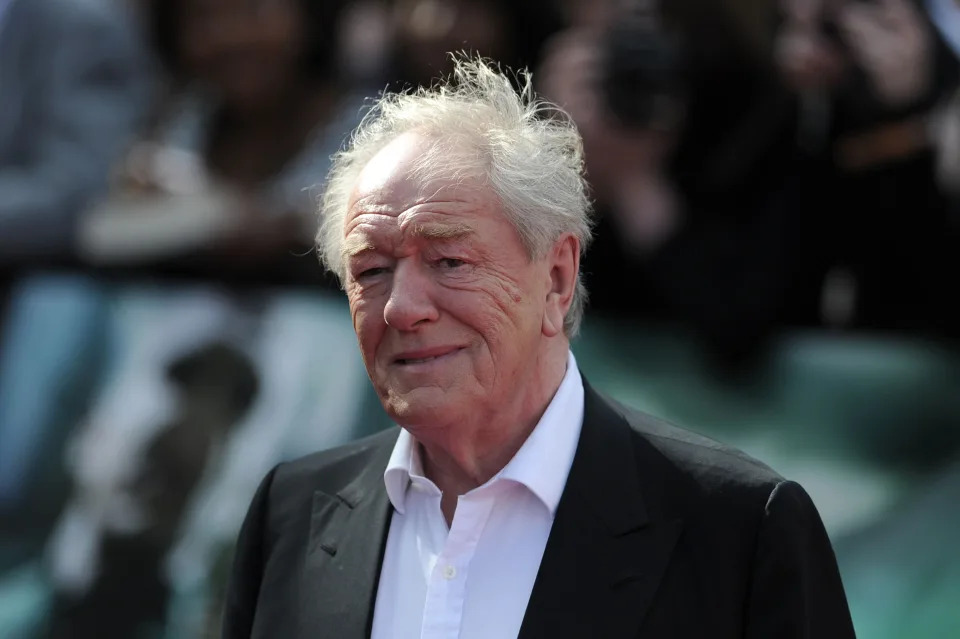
x=757, y=166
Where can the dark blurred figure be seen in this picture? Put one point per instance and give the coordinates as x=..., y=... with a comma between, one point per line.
x=75, y=85
x=125, y=593
x=222, y=188
x=688, y=136
x=945, y=15
x=425, y=32
x=871, y=76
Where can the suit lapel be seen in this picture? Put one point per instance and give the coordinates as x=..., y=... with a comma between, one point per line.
x=348, y=534
x=606, y=553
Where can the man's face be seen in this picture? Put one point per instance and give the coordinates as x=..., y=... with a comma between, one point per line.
x=447, y=306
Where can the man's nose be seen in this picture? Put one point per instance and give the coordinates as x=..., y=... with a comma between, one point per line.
x=410, y=303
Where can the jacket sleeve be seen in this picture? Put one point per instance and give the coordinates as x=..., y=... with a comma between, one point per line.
x=796, y=590
x=243, y=588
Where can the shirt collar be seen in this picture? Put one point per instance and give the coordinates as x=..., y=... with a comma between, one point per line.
x=404, y=462
x=542, y=463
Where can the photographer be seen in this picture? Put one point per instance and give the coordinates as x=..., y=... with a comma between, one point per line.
x=687, y=158
x=870, y=75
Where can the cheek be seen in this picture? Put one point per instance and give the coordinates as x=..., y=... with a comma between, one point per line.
x=368, y=324
x=499, y=305
x=516, y=291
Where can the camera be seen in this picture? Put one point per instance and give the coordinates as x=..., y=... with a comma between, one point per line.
x=643, y=78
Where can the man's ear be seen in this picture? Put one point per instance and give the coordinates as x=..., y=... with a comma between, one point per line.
x=564, y=262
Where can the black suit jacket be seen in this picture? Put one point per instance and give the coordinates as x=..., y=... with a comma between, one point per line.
x=659, y=533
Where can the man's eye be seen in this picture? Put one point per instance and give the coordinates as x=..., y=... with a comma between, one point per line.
x=371, y=272
x=450, y=263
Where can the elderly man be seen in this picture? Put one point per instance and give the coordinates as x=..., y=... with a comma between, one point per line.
x=514, y=500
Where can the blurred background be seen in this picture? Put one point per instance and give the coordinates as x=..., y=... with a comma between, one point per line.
x=776, y=264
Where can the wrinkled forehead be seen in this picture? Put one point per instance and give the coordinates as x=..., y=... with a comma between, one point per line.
x=411, y=170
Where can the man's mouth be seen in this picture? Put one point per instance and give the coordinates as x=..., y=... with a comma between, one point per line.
x=419, y=360
x=423, y=357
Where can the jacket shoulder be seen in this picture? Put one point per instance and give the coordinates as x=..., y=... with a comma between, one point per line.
x=708, y=461
x=333, y=469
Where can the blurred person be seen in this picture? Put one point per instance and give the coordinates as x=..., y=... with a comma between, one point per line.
x=693, y=202
x=514, y=500
x=870, y=76
x=945, y=15
x=366, y=39
x=626, y=91
x=878, y=57
x=947, y=131
x=130, y=496
x=223, y=187
x=423, y=32
x=160, y=462
x=76, y=84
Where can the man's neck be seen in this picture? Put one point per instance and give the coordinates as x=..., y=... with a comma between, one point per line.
x=457, y=464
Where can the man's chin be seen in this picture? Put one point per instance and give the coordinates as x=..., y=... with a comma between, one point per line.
x=421, y=407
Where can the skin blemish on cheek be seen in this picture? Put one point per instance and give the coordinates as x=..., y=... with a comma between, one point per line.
x=505, y=294
x=510, y=286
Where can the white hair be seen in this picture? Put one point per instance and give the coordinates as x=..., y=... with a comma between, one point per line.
x=528, y=152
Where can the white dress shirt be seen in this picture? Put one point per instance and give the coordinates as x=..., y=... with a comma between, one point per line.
x=474, y=580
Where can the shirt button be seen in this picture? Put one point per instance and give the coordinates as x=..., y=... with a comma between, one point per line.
x=449, y=572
